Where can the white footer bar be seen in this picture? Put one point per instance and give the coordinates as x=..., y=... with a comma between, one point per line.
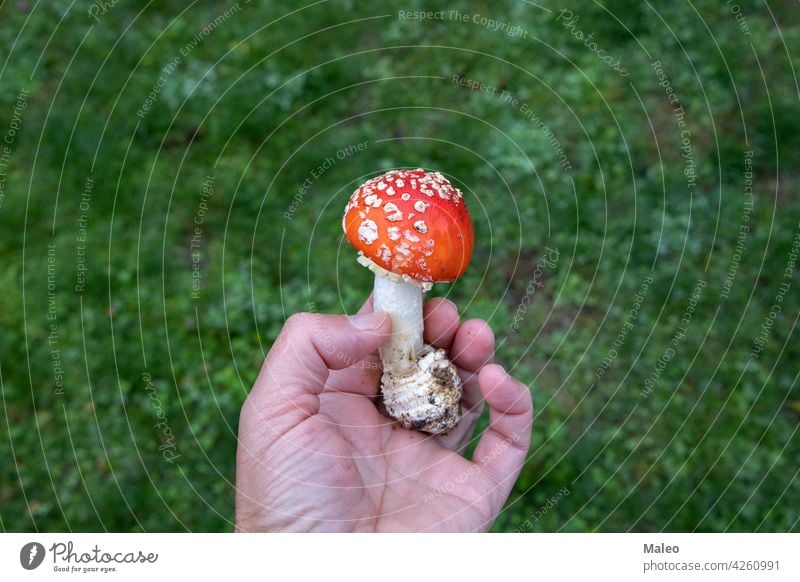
x=380, y=558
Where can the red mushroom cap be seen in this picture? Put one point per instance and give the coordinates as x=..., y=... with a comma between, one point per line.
x=412, y=223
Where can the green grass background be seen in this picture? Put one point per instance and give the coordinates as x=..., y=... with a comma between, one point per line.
x=275, y=89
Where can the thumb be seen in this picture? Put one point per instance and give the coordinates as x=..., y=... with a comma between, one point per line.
x=309, y=346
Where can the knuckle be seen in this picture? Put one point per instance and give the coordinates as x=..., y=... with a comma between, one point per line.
x=248, y=413
x=299, y=322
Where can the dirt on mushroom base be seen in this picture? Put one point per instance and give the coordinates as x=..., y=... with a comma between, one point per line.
x=436, y=410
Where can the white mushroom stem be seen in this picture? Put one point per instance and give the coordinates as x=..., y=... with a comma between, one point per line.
x=421, y=387
x=403, y=302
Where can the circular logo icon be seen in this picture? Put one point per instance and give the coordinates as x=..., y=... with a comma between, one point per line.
x=31, y=555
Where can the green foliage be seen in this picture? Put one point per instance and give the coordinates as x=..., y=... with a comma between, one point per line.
x=259, y=103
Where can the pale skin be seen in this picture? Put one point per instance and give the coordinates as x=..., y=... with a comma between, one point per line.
x=316, y=454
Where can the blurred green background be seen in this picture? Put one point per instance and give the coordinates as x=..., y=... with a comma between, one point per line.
x=667, y=395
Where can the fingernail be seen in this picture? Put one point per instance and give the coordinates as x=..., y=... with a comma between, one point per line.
x=445, y=301
x=367, y=321
x=501, y=368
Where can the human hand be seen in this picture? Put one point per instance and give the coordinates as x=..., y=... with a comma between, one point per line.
x=315, y=453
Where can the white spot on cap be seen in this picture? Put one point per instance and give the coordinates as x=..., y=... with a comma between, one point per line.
x=420, y=206
x=368, y=231
x=381, y=185
x=399, y=183
x=392, y=212
x=411, y=236
x=406, y=196
x=420, y=226
x=394, y=232
x=390, y=191
x=384, y=253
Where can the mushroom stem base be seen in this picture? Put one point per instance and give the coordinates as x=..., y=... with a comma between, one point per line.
x=427, y=398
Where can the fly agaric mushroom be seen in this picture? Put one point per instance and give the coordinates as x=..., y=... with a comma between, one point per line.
x=412, y=229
